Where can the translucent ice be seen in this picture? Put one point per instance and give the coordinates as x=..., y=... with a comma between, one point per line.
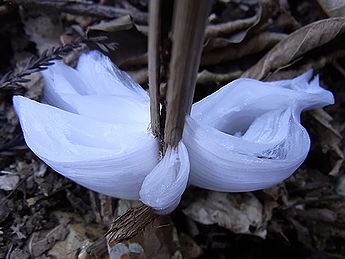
x=93, y=128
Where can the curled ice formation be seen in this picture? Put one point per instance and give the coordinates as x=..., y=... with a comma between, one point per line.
x=247, y=136
x=163, y=187
x=94, y=129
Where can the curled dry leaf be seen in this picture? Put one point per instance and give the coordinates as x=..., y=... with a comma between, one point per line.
x=240, y=213
x=222, y=29
x=123, y=34
x=296, y=45
x=333, y=8
x=8, y=182
x=253, y=45
x=43, y=30
x=78, y=237
x=330, y=140
x=159, y=240
x=119, y=24
x=205, y=77
x=240, y=29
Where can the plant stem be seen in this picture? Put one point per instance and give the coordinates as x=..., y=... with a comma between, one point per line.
x=154, y=64
x=189, y=23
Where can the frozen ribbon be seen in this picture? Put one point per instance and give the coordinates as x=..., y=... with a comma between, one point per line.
x=163, y=187
x=247, y=136
x=94, y=129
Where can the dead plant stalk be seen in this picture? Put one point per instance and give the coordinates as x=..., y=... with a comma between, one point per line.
x=189, y=23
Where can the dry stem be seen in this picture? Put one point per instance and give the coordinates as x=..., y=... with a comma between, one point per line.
x=190, y=18
x=154, y=64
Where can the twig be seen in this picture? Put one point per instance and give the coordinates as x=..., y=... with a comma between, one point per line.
x=135, y=220
x=154, y=64
x=253, y=45
x=74, y=7
x=97, y=248
x=205, y=77
x=130, y=224
x=189, y=23
x=216, y=30
x=11, y=80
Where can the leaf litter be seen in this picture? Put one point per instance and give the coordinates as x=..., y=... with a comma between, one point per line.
x=302, y=217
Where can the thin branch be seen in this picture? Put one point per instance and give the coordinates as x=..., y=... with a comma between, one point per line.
x=216, y=30
x=74, y=7
x=154, y=64
x=14, y=81
x=11, y=81
x=130, y=224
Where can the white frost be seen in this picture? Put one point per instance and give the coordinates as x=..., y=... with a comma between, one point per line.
x=247, y=136
x=94, y=129
x=163, y=187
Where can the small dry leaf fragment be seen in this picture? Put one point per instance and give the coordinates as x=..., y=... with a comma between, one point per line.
x=241, y=29
x=42, y=241
x=119, y=24
x=8, y=182
x=43, y=30
x=240, y=213
x=253, y=45
x=296, y=45
x=333, y=8
x=206, y=76
x=330, y=140
x=79, y=238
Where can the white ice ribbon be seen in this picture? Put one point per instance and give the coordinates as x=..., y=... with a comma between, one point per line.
x=94, y=130
x=247, y=136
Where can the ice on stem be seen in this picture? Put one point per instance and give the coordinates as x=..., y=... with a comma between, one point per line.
x=93, y=128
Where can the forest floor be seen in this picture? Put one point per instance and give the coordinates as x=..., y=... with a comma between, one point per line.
x=44, y=215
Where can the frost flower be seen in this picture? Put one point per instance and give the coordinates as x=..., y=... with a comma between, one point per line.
x=94, y=129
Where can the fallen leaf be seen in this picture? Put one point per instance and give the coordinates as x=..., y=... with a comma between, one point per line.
x=296, y=45
x=243, y=28
x=8, y=182
x=340, y=186
x=333, y=8
x=249, y=46
x=206, y=76
x=189, y=247
x=43, y=30
x=330, y=139
x=130, y=42
x=79, y=237
x=238, y=212
x=42, y=241
x=159, y=239
x=119, y=24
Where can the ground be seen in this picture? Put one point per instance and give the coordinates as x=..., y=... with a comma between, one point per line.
x=44, y=215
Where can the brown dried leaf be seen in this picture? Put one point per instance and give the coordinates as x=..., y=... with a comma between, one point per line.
x=330, y=139
x=158, y=240
x=296, y=45
x=333, y=8
x=240, y=29
x=240, y=213
x=42, y=241
x=8, y=182
x=43, y=30
x=119, y=24
x=80, y=236
x=205, y=77
x=249, y=46
x=130, y=43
